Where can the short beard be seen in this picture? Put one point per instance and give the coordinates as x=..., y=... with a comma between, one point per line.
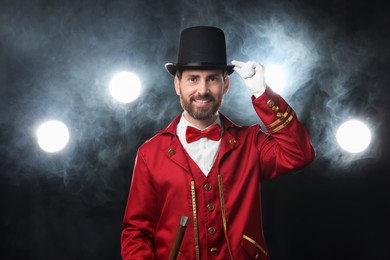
x=201, y=114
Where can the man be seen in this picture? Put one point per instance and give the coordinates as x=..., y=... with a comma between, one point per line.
x=214, y=176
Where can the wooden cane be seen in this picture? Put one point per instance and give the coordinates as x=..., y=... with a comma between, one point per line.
x=179, y=237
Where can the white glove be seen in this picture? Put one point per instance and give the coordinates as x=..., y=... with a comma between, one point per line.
x=253, y=75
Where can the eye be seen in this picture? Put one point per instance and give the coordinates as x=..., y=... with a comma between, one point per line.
x=192, y=78
x=213, y=78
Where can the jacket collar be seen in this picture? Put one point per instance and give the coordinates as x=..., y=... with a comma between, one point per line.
x=176, y=151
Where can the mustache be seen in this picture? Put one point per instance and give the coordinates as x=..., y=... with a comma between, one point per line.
x=206, y=96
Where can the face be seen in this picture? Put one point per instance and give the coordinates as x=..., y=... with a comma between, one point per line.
x=201, y=92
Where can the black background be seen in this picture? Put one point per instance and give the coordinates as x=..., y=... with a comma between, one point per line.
x=56, y=61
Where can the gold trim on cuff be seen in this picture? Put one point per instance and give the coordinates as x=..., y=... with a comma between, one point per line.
x=288, y=110
x=272, y=131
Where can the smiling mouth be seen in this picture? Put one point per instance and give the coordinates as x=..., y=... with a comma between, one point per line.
x=202, y=100
x=202, y=103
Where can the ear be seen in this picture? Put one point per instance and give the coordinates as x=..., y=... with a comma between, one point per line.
x=227, y=84
x=177, y=85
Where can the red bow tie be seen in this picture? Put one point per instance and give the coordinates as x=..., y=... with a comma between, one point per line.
x=212, y=133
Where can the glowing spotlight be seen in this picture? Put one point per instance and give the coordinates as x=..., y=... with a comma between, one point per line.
x=52, y=136
x=275, y=77
x=125, y=87
x=353, y=136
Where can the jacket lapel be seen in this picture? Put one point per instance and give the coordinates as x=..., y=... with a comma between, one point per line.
x=176, y=154
x=229, y=140
x=175, y=151
x=228, y=143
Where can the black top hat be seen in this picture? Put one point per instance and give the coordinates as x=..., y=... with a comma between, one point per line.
x=201, y=48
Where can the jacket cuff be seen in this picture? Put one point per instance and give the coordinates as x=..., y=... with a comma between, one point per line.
x=273, y=110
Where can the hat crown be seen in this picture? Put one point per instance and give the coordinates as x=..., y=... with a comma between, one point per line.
x=202, y=45
x=201, y=48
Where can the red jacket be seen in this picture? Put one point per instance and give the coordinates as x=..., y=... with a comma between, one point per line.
x=224, y=207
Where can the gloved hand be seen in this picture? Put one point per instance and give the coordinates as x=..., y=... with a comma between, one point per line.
x=253, y=75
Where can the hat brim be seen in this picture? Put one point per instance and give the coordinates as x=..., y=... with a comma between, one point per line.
x=173, y=67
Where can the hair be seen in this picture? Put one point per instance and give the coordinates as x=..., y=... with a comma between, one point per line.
x=178, y=74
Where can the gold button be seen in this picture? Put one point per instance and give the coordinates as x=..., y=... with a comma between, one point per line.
x=279, y=114
x=210, y=207
x=171, y=151
x=211, y=230
x=213, y=250
x=270, y=103
x=207, y=186
x=275, y=108
x=232, y=141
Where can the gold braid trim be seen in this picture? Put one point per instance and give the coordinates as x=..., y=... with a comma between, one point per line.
x=255, y=244
x=224, y=214
x=195, y=219
x=288, y=110
x=272, y=131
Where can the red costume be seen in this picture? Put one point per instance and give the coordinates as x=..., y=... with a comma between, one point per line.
x=224, y=207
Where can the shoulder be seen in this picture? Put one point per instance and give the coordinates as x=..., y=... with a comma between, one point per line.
x=230, y=126
x=162, y=138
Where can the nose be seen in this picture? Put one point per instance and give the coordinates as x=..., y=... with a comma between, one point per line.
x=202, y=87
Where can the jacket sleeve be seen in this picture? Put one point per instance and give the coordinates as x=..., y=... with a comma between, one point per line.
x=286, y=146
x=140, y=216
